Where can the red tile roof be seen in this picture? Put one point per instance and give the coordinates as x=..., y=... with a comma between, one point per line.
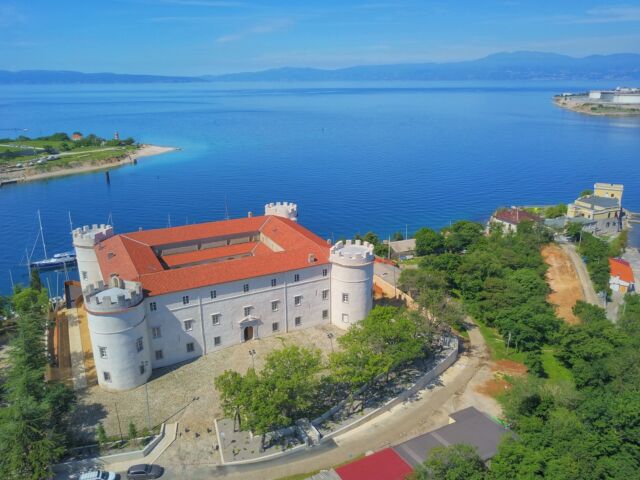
x=383, y=465
x=515, y=216
x=132, y=255
x=621, y=269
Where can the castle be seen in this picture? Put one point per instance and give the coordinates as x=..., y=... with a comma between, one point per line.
x=155, y=298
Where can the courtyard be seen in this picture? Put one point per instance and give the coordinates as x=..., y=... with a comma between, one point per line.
x=184, y=393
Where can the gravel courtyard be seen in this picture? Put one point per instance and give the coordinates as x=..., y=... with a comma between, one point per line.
x=183, y=393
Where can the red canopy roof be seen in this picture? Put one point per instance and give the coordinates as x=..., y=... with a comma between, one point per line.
x=622, y=269
x=383, y=465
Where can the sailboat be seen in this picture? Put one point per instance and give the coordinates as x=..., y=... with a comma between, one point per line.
x=59, y=260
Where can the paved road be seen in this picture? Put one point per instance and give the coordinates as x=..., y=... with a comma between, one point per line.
x=428, y=410
x=581, y=269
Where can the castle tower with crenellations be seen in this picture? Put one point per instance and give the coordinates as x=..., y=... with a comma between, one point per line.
x=84, y=240
x=282, y=209
x=351, y=281
x=119, y=333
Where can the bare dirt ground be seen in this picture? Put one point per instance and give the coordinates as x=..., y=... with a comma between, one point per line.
x=563, y=280
x=496, y=383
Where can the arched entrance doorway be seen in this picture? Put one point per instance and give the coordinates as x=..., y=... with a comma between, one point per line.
x=248, y=333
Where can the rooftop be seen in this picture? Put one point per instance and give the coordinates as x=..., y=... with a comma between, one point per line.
x=602, y=202
x=621, y=269
x=182, y=258
x=383, y=465
x=515, y=216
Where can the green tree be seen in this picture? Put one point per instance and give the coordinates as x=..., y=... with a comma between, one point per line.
x=101, y=434
x=36, y=282
x=397, y=236
x=133, y=432
x=381, y=250
x=461, y=235
x=429, y=242
x=586, y=193
x=555, y=211
x=372, y=238
x=455, y=462
x=573, y=230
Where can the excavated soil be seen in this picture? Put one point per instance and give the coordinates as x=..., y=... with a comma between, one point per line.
x=563, y=282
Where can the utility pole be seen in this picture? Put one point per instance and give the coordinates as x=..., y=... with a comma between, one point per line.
x=146, y=394
x=119, y=427
x=508, y=342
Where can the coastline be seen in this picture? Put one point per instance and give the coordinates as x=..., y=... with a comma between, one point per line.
x=587, y=108
x=145, y=150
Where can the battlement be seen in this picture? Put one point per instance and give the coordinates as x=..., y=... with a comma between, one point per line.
x=118, y=294
x=91, y=235
x=352, y=252
x=282, y=209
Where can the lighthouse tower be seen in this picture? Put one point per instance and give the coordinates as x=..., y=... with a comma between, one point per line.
x=351, y=282
x=282, y=209
x=84, y=239
x=119, y=333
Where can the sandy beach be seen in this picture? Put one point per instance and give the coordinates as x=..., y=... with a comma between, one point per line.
x=30, y=174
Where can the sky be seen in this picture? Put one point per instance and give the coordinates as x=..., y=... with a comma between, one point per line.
x=196, y=37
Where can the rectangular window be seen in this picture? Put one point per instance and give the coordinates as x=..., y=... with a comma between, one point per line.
x=139, y=345
x=84, y=275
x=217, y=341
x=345, y=298
x=190, y=347
x=159, y=355
x=155, y=332
x=298, y=321
x=297, y=300
x=214, y=294
x=185, y=300
x=325, y=294
x=325, y=314
x=275, y=305
x=324, y=272
x=106, y=376
x=275, y=326
x=103, y=352
x=142, y=369
x=345, y=318
x=215, y=318
x=296, y=277
x=273, y=282
x=247, y=311
x=245, y=287
x=188, y=325
x=153, y=307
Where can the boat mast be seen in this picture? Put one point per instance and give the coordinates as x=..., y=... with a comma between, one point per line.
x=70, y=222
x=44, y=247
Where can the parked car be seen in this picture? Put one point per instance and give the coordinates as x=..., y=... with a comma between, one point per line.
x=99, y=475
x=144, y=471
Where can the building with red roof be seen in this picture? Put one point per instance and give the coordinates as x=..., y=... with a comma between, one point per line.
x=510, y=218
x=159, y=297
x=383, y=465
x=621, y=279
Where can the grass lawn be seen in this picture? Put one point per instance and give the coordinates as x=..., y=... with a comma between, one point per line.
x=556, y=372
x=498, y=346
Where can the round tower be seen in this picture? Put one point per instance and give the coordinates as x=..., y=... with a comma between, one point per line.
x=119, y=334
x=84, y=239
x=351, y=282
x=282, y=209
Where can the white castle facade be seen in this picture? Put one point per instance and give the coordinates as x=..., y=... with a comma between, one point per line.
x=159, y=297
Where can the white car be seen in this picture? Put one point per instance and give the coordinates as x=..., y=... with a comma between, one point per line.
x=99, y=475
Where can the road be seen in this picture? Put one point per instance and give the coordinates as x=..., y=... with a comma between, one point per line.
x=430, y=409
x=581, y=269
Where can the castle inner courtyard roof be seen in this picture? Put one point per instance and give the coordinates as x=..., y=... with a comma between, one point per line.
x=193, y=256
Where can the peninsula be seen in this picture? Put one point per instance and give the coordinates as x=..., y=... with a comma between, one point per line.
x=618, y=102
x=25, y=159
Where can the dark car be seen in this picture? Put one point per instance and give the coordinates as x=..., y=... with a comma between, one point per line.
x=144, y=471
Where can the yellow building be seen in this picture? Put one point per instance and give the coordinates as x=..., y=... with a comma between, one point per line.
x=604, y=206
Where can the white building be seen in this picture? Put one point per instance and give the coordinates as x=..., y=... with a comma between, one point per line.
x=159, y=297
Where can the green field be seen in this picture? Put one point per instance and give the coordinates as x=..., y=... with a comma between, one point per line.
x=69, y=153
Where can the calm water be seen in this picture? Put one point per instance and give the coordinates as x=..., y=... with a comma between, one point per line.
x=354, y=157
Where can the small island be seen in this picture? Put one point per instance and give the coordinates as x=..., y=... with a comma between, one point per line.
x=24, y=159
x=618, y=102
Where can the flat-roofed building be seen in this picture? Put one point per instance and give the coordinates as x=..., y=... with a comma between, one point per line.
x=604, y=207
x=155, y=298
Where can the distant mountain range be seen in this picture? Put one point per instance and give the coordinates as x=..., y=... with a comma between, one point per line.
x=499, y=66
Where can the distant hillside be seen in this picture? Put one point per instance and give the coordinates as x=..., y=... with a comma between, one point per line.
x=499, y=66
x=67, y=77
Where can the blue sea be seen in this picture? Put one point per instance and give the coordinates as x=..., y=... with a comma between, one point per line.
x=355, y=157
